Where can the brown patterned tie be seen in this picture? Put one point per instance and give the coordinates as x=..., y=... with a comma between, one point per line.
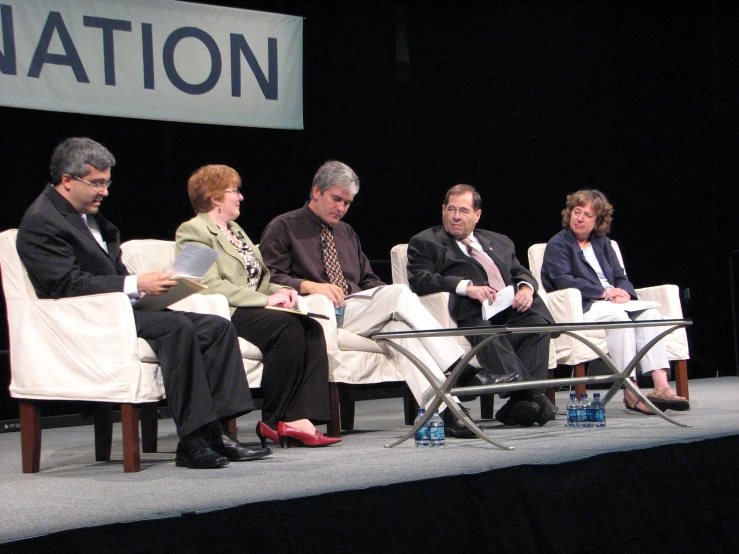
x=331, y=260
x=495, y=279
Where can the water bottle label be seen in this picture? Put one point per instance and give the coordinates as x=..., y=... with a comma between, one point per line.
x=436, y=433
x=423, y=433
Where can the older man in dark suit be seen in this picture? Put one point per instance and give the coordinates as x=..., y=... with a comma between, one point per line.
x=474, y=265
x=69, y=249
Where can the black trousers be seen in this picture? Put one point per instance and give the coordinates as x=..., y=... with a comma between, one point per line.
x=295, y=376
x=201, y=366
x=526, y=354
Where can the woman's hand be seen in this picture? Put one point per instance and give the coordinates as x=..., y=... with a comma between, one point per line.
x=282, y=299
x=619, y=296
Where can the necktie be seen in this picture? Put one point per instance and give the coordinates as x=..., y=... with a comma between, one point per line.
x=495, y=279
x=331, y=259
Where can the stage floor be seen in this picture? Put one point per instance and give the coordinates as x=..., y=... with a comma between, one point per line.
x=73, y=491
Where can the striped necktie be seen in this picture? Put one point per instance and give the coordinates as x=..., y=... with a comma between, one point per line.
x=331, y=259
x=495, y=279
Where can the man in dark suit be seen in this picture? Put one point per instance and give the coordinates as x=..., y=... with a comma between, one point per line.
x=69, y=249
x=473, y=266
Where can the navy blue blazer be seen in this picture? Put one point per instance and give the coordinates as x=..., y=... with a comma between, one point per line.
x=565, y=267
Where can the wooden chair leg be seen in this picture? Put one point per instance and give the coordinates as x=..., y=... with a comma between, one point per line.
x=346, y=406
x=334, y=426
x=149, y=415
x=681, y=378
x=487, y=406
x=580, y=372
x=550, y=390
x=30, y=419
x=130, y=425
x=103, y=417
x=410, y=406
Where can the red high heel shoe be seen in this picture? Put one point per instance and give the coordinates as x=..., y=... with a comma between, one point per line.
x=291, y=435
x=265, y=432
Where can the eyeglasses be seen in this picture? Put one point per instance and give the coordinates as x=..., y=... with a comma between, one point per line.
x=96, y=186
x=235, y=191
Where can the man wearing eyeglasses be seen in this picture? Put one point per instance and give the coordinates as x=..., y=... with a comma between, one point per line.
x=69, y=249
x=474, y=265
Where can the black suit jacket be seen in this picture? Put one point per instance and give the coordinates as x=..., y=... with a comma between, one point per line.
x=436, y=264
x=60, y=254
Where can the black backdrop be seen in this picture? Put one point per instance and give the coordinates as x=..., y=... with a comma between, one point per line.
x=527, y=101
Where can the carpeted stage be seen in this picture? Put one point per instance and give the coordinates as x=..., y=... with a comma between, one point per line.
x=639, y=485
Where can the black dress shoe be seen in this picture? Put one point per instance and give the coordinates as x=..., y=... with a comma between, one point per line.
x=548, y=410
x=454, y=427
x=236, y=451
x=518, y=411
x=484, y=377
x=194, y=452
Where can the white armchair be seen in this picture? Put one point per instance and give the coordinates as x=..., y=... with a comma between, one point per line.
x=438, y=305
x=353, y=360
x=566, y=307
x=82, y=348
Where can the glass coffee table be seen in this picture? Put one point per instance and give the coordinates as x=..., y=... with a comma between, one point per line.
x=444, y=391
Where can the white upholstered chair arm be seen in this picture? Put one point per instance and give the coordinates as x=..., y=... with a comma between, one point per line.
x=73, y=342
x=438, y=306
x=565, y=305
x=668, y=297
x=320, y=304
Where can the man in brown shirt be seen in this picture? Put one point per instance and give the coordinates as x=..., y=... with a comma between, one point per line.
x=311, y=250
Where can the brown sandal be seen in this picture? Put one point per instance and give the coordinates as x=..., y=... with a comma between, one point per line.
x=635, y=404
x=667, y=399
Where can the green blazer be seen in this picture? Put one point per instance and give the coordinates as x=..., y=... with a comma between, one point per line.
x=228, y=275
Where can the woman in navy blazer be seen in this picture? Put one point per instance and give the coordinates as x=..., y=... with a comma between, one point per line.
x=295, y=377
x=581, y=256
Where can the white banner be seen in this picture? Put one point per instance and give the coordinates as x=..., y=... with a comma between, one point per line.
x=153, y=59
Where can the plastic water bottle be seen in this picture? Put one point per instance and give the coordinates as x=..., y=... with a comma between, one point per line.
x=436, y=430
x=582, y=411
x=590, y=409
x=339, y=316
x=572, y=412
x=422, y=435
x=599, y=411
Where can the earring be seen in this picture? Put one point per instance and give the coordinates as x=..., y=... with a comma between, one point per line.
x=219, y=209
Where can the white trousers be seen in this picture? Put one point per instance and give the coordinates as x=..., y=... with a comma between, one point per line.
x=623, y=344
x=396, y=308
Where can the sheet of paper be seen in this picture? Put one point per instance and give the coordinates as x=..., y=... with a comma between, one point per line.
x=369, y=293
x=193, y=261
x=503, y=299
x=634, y=305
x=184, y=288
x=297, y=312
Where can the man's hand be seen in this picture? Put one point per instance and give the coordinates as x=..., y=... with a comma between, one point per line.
x=332, y=292
x=480, y=293
x=155, y=284
x=284, y=298
x=523, y=299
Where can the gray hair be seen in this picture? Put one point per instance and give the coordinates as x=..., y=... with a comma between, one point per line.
x=338, y=174
x=74, y=157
